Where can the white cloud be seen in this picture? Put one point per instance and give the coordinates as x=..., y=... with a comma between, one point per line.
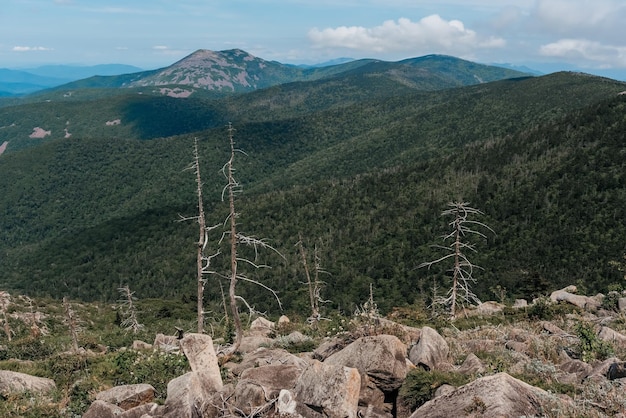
x=30, y=48
x=430, y=34
x=160, y=47
x=594, y=53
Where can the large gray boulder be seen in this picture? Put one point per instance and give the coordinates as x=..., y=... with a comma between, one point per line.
x=499, y=395
x=566, y=295
x=15, y=382
x=260, y=385
x=431, y=350
x=102, y=409
x=381, y=357
x=127, y=396
x=326, y=389
x=190, y=396
x=198, y=348
x=265, y=357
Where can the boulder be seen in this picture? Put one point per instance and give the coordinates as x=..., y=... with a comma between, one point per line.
x=471, y=365
x=566, y=295
x=198, y=348
x=261, y=327
x=283, y=320
x=552, y=329
x=329, y=389
x=612, y=336
x=484, y=309
x=260, y=385
x=520, y=303
x=328, y=348
x=430, y=351
x=617, y=370
x=102, y=409
x=188, y=396
x=15, y=382
x=266, y=357
x=141, y=345
x=252, y=342
x=499, y=395
x=408, y=335
x=127, y=396
x=142, y=411
x=621, y=304
x=166, y=343
x=381, y=357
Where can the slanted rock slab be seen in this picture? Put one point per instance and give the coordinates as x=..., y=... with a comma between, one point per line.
x=430, y=351
x=15, y=382
x=127, y=396
x=499, y=395
x=381, y=357
x=198, y=349
x=332, y=389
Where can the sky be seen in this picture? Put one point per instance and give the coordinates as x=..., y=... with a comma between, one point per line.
x=546, y=35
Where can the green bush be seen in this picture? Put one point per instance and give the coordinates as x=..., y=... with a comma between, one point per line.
x=590, y=347
x=420, y=385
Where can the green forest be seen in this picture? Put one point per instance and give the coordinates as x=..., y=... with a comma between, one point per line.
x=361, y=169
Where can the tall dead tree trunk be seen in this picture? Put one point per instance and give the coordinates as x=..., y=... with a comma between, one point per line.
x=201, y=241
x=232, y=186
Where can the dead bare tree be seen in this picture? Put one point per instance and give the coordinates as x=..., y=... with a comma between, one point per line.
x=314, y=285
x=203, y=261
x=129, y=311
x=462, y=226
x=235, y=239
x=5, y=302
x=72, y=324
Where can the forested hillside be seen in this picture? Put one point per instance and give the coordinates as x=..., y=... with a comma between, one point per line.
x=362, y=176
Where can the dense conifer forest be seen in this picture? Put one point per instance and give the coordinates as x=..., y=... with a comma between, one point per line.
x=361, y=168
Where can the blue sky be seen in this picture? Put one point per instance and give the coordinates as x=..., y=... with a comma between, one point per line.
x=544, y=34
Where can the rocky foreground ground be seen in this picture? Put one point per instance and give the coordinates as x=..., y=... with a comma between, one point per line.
x=567, y=366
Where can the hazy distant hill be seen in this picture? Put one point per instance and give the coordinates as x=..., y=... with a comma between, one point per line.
x=26, y=81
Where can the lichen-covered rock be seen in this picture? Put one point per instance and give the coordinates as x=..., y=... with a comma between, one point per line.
x=430, y=351
x=198, y=349
x=102, y=409
x=127, y=396
x=15, y=382
x=260, y=385
x=330, y=389
x=381, y=357
x=499, y=395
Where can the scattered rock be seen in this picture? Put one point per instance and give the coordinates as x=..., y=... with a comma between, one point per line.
x=15, y=382
x=331, y=390
x=141, y=345
x=127, y=396
x=472, y=365
x=520, y=303
x=381, y=357
x=261, y=327
x=266, y=357
x=616, y=370
x=198, y=349
x=430, y=350
x=499, y=395
x=607, y=334
x=583, y=302
x=102, y=409
x=257, y=386
x=167, y=343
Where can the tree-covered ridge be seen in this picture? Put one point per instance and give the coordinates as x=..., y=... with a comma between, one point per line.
x=84, y=216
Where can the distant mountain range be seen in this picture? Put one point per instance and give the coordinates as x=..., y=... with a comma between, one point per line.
x=30, y=80
x=236, y=71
